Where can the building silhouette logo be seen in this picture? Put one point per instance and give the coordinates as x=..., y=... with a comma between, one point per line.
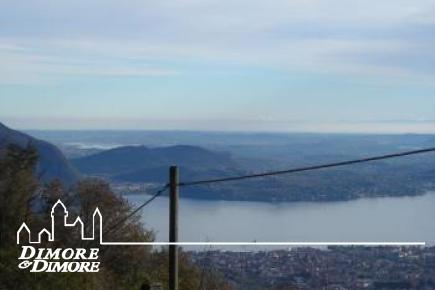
x=40, y=259
x=50, y=234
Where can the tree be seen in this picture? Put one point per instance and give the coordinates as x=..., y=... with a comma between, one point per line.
x=17, y=189
x=122, y=267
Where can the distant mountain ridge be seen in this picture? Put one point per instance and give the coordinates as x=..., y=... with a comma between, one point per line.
x=256, y=153
x=145, y=164
x=51, y=165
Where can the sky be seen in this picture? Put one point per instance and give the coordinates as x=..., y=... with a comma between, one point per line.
x=294, y=65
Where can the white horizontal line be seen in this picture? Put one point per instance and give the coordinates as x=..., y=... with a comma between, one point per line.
x=264, y=243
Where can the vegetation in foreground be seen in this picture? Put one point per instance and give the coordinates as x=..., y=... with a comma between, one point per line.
x=24, y=199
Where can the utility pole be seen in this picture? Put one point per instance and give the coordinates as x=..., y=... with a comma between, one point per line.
x=173, y=227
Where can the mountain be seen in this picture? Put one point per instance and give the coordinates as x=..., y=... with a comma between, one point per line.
x=408, y=176
x=144, y=164
x=51, y=165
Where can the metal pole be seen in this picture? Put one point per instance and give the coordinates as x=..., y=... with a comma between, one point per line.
x=173, y=227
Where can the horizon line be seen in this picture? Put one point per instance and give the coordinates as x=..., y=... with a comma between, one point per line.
x=220, y=131
x=374, y=127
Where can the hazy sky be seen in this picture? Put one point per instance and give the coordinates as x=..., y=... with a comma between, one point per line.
x=294, y=65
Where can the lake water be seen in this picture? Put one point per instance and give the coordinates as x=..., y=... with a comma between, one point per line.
x=399, y=219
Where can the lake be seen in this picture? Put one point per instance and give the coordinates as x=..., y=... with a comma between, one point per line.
x=392, y=219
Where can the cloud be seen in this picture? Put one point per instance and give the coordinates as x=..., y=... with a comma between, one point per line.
x=24, y=64
x=390, y=39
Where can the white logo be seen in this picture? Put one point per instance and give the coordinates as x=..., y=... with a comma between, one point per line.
x=84, y=260
x=60, y=260
x=69, y=259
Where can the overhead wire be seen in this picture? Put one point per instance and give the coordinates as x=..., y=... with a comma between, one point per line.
x=147, y=202
x=270, y=173
x=307, y=168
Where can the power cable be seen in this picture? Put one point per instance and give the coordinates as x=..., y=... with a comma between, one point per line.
x=151, y=199
x=308, y=168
